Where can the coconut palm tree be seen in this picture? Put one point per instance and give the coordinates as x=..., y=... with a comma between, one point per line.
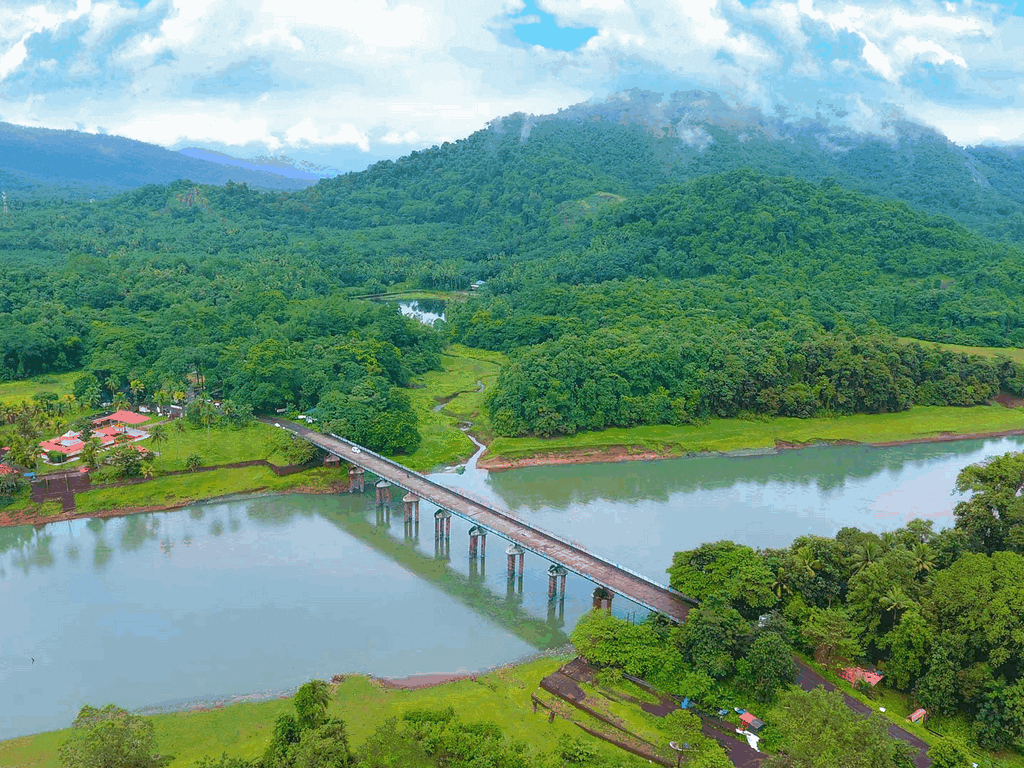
x=91, y=453
x=138, y=388
x=864, y=555
x=896, y=601
x=924, y=558
x=805, y=561
x=113, y=383
x=781, y=584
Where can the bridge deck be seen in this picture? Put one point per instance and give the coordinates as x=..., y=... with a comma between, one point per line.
x=574, y=558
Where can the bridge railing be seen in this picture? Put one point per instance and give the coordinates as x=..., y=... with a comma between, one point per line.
x=487, y=504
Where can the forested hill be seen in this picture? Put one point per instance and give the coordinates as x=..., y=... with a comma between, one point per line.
x=633, y=144
x=40, y=163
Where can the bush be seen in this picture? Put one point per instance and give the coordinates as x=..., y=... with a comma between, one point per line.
x=56, y=457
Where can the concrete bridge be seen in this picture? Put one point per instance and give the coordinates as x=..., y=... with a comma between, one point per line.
x=488, y=519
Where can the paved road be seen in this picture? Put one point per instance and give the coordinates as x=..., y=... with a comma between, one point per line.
x=551, y=547
x=808, y=679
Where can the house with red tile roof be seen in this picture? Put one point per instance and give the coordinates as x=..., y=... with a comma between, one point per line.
x=917, y=716
x=121, y=417
x=71, y=444
x=855, y=674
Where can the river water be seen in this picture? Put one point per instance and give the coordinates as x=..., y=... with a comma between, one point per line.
x=255, y=596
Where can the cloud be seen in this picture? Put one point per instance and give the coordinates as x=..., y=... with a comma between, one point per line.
x=380, y=76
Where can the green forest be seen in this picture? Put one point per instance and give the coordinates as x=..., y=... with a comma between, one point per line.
x=621, y=296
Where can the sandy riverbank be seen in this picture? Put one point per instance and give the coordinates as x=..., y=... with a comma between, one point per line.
x=618, y=453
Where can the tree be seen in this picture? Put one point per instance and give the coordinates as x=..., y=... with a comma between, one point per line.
x=724, y=568
x=832, y=632
x=158, y=434
x=311, y=701
x=193, y=462
x=126, y=460
x=768, y=666
x=949, y=753
x=909, y=646
x=91, y=453
x=817, y=730
x=110, y=738
x=714, y=637
x=993, y=515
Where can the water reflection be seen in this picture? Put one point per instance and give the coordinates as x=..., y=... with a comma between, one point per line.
x=427, y=311
x=639, y=513
x=247, y=596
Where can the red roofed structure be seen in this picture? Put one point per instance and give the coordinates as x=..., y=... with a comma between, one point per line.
x=122, y=417
x=7, y=469
x=855, y=674
x=917, y=716
x=751, y=722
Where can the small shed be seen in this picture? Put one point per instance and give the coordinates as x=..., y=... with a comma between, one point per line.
x=918, y=716
x=751, y=723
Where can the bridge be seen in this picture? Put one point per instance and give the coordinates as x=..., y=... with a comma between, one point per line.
x=487, y=518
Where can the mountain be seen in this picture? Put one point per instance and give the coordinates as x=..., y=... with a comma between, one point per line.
x=635, y=142
x=42, y=163
x=278, y=164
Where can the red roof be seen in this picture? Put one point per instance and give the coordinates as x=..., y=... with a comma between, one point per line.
x=918, y=715
x=853, y=674
x=747, y=718
x=6, y=470
x=123, y=416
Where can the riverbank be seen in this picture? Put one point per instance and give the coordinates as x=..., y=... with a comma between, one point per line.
x=175, y=492
x=501, y=696
x=922, y=424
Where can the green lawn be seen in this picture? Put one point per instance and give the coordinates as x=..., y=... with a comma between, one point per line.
x=1014, y=353
x=14, y=392
x=456, y=385
x=242, y=730
x=737, y=434
x=217, y=445
x=186, y=489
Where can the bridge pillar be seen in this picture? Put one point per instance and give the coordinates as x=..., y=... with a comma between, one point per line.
x=442, y=524
x=356, y=479
x=513, y=552
x=554, y=573
x=411, y=503
x=383, y=492
x=477, y=535
x=603, y=599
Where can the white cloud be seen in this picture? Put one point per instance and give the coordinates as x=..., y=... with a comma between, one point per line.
x=405, y=73
x=309, y=133
x=13, y=59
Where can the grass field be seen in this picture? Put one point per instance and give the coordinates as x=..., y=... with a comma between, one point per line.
x=456, y=385
x=1014, y=353
x=918, y=423
x=14, y=392
x=242, y=730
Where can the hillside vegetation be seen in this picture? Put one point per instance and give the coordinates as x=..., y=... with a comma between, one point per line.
x=621, y=296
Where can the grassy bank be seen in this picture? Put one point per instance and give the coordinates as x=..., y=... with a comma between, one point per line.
x=1014, y=353
x=15, y=392
x=216, y=445
x=919, y=423
x=456, y=386
x=241, y=730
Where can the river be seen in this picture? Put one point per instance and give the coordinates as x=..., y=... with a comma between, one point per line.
x=255, y=596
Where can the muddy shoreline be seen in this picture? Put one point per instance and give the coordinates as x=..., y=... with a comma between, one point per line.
x=619, y=453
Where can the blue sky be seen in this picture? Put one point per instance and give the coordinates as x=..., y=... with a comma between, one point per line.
x=348, y=82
